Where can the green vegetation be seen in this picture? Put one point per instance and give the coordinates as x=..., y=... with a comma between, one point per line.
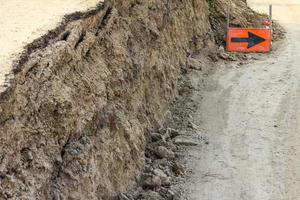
x=212, y=10
x=212, y=5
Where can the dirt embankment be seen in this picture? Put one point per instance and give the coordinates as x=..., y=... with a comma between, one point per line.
x=75, y=121
x=84, y=98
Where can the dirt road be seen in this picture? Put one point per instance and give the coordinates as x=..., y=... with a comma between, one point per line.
x=23, y=21
x=251, y=117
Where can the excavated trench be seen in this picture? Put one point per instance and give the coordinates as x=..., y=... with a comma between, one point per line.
x=82, y=100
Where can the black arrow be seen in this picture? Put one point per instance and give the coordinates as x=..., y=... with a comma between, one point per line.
x=252, y=40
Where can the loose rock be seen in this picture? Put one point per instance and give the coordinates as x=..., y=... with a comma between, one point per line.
x=165, y=180
x=173, y=132
x=163, y=152
x=167, y=193
x=156, y=137
x=124, y=197
x=160, y=163
x=185, y=141
x=178, y=169
x=151, y=182
x=150, y=195
x=192, y=125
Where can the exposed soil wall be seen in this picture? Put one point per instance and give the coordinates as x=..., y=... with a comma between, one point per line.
x=74, y=123
x=240, y=16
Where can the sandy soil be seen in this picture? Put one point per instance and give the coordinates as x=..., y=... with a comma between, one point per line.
x=251, y=117
x=23, y=21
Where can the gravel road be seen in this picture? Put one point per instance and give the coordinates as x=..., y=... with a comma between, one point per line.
x=23, y=21
x=251, y=117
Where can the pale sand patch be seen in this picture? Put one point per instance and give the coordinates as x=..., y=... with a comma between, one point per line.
x=22, y=22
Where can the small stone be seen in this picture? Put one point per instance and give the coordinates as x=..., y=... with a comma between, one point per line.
x=159, y=173
x=155, y=137
x=170, y=145
x=172, y=132
x=185, y=141
x=213, y=57
x=221, y=48
x=168, y=116
x=192, y=125
x=176, y=196
x=195, y=64
x=167, y=194
x=163, y=152
x=27, y=154
x=151, y=182
x=166, y=136
x=151, y=195
x=160, y=163
x=148, y=169
x=178, y=169
x=148, y=160
x=165, y=180
x=137, y=192
x=224, y=56
x=123, y=197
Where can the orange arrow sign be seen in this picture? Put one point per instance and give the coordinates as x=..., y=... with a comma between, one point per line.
x=249, y=40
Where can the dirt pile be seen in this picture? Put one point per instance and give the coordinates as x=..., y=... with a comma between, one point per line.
x=75, y=121
x=240, y=16
x=85, y=98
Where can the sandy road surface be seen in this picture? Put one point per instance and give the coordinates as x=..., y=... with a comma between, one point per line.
x=23, y=21
x=251, y=117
